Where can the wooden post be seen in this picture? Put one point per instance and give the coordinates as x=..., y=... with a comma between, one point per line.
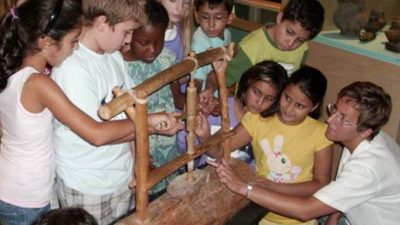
x=191, y=113
x=223, y=95
x=142, y=159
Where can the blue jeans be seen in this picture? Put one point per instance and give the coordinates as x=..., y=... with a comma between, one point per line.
x=14, y=215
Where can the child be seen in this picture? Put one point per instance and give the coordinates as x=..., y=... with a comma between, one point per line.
x=213, y=16
x=178, y=37
x=92, y=177
x=179, y=32
x=66, y=216
x=46, y=35
x=259, y=88
x=291, y=151
x=146, y=57
x=283, y=42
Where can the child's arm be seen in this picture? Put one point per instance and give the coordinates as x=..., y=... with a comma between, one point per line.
x=240, y=138
x=1, y=131
x=179, y=97
x=208, y=93
x=334, y=218
x=96, y=133
x=321, y=177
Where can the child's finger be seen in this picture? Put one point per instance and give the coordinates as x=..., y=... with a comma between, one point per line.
x=213, y=164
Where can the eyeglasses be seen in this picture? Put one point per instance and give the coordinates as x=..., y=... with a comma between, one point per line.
x=53, y=17
x=332, y=111
x=213, y=19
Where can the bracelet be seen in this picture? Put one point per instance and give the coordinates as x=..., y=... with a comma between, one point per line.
x=249, y=188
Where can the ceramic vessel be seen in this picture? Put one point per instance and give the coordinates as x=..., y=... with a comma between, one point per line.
x=395, y=25
x=393, y=36
x=376, y=21
x=349, y=17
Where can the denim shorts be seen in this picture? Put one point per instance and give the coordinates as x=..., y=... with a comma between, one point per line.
x=14, y=215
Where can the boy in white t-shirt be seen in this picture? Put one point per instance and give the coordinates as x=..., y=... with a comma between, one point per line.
x=93, y=177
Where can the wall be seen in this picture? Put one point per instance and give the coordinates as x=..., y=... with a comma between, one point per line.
x=390, y=7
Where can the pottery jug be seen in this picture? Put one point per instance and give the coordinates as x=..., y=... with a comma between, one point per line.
x=349, y=17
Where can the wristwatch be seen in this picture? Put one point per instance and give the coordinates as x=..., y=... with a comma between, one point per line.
x=249, y=188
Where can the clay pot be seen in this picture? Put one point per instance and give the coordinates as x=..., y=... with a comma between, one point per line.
x=376, y=21
x=393, y=36
x=395, y=25
x=349, y=18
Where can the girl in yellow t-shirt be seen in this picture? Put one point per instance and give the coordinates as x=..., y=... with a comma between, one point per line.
x=292, y=154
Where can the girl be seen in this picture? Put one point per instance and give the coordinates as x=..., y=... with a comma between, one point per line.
x=291, y=151
x=258, y=90
x=178, y=37
x=33, y=35
x=146, y=57
x=180, y=27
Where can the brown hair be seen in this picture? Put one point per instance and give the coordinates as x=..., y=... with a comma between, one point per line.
x=373, y=103
x=116, y=11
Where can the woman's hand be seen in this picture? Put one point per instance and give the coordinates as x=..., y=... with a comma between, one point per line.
x=229, y=177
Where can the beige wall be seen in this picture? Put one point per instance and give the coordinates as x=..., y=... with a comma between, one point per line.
x=390, y=7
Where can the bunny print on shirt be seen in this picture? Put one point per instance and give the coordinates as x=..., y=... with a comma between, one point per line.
x=280, y=166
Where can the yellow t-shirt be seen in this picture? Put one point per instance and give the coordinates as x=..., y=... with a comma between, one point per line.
x=285, y=154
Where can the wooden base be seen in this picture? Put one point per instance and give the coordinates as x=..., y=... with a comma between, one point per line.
x=213, y=204
x=182, y=186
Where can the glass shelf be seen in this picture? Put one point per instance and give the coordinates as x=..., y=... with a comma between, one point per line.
x=373, y=49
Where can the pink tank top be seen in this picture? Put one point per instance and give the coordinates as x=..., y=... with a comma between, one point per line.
x=26, y=151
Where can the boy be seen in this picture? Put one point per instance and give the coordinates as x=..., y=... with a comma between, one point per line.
x=92, y=177
x=283, y=42
x=212, y=16
x=366, y=188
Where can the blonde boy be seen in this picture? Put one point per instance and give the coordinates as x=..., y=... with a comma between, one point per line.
x=96, y=178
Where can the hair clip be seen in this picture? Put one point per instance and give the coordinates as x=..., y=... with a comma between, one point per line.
x=53, y=17
x=13, y=14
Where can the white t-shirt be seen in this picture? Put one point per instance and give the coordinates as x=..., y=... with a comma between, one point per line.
x=87, y=78
x=367, y=187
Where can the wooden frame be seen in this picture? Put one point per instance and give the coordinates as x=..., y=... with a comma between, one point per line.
x=124, y=101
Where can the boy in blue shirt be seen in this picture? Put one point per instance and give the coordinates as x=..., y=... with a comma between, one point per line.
x=212, y=16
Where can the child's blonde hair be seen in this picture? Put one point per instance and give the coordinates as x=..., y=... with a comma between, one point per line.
x=116, y=11
x=186, y=25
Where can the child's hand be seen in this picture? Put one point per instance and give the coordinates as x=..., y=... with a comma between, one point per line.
x=215, y=107
x=165, y=123
x=206, y=96
x=211, y=107
x=202, y=129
